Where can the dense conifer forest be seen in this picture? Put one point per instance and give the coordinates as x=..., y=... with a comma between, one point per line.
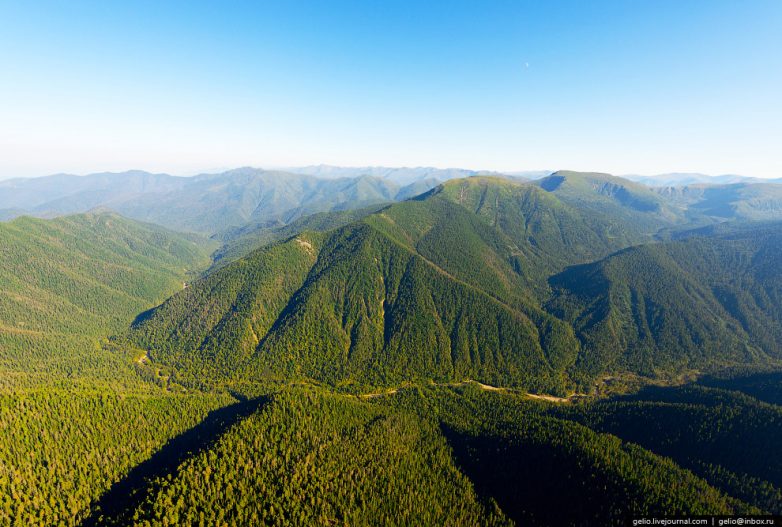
x=568, y=351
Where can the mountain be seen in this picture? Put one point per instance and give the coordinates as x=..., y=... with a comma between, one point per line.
x=424, y=288
x=677, y=305
x=679, y=179
x=738, y=201
x=400, y=175
x=69, y=281
x=636, y=206
x=453, y=284
x=207, y=203
x=319, y=372
x=546, y=232
x=541, y=223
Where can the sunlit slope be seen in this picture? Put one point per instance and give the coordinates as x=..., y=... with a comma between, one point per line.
x=213, y=327
x=550, y=229
x=422, y=289
x=70, y=280
x=428, y=456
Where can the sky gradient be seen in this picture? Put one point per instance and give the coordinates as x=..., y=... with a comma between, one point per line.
x=637, y=87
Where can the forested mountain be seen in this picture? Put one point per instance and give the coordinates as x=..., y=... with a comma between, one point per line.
x=428, y=288
x=453, y=285
x=240, y=241
x=681, y=304
x=353, y=306
x=316, y=369
x=206, y=203
x=67, y=282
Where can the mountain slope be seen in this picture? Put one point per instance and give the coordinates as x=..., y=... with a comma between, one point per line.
x=207, y=203
x=68, y=281
x=421, y=289
x=689, y=303
x=635, y=207
x=451, y=285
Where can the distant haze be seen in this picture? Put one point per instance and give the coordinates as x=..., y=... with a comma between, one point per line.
x=618, y=87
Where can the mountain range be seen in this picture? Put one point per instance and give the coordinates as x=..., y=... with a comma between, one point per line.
x=267, y=347
x=213, y=204
x=483, y=278
x=206, y=203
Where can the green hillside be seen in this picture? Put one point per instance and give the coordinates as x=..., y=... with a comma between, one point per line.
x=431, y=456
x=353, y=306
x=700, y=428
x=455, y=284
x=70, y=281
x=674, y=305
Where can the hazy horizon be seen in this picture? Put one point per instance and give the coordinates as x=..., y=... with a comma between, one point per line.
x=623, y=88
x=292, y=169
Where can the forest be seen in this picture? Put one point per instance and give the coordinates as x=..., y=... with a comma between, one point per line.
x=491, y=352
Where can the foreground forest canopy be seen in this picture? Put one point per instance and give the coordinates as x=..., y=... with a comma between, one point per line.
x=569, y=350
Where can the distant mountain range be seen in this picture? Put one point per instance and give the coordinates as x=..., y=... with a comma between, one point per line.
x=678, y=179
x=214, y=204
x=206, y=203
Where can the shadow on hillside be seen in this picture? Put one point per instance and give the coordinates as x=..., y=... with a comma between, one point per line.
x=143, y=317
x=533, y=484
x=116, y=506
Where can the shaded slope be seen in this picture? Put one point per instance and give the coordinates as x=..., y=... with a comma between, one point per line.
x=543, y=470
x=692, y=303
x=116, y=505
x=700, y=429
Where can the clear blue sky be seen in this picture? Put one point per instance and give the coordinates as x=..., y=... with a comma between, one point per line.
x=624, y=87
